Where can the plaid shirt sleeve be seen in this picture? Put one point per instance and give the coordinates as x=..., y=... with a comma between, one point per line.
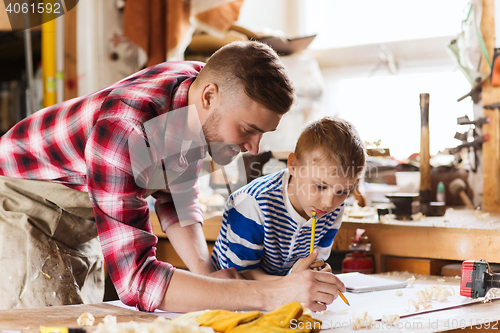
x=122, y=218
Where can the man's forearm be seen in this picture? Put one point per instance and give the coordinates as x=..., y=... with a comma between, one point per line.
x=258, y=274
x=191, y=292
x=190, y=244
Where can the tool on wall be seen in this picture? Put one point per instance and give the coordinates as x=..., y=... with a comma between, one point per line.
x=477, y=278
x=477, y=139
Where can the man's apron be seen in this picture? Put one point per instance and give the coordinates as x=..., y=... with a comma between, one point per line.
x=49, y=251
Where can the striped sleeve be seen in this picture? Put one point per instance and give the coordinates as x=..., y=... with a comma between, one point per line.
x=241, y=240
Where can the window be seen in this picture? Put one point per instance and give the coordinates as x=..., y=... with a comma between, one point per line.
x=356, y=22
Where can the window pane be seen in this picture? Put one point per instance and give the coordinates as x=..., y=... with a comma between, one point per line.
x=355, y=22
x=387, y=108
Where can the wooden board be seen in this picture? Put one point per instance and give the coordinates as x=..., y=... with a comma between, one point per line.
x=30, y=320
x=415, y=265
x=490, y=95
x=70, y=56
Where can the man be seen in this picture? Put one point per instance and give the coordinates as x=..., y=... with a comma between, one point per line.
x=79, y=170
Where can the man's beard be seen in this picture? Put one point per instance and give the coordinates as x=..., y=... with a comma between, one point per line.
x=221, y=152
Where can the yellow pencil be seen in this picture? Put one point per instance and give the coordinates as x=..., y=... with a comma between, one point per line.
x=313, y=232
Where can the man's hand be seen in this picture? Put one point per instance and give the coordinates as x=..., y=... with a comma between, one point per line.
x=191, y=292
x=313, y=288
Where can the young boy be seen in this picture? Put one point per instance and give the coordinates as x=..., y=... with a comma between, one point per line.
x=266, y=225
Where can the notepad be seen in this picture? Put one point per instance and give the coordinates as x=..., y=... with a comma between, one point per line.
x=361, y=283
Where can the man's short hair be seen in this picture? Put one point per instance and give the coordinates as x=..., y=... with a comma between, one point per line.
x=335, y=141
x=255, y=66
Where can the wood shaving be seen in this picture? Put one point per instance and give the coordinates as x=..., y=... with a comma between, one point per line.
x=342, y=312
x=362, y=320
x=85, y=319
x=390, y=320
x=441, y=280
x=159, y=325
x=399, y=293
x=411, y=281
x=418, y=216
x=429, y=294
x=480, y=215
x=491, y=294
x=386, y=219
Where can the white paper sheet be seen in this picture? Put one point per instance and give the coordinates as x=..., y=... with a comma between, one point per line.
x=385, y=302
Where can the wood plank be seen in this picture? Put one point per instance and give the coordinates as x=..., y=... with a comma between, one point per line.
x=490, y=95
x=30, y=320
x=70, y=55
x=415, y=265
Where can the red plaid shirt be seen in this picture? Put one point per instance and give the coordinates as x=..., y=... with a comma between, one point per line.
x=82, y=143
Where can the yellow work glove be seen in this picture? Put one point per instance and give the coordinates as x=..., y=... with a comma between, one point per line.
x=287, y=318
x=224, y=321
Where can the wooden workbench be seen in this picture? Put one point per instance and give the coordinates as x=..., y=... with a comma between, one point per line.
x=459, y=319
x=458, y=235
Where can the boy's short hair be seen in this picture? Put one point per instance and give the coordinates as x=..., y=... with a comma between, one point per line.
x=333, y=140
x=255, y=66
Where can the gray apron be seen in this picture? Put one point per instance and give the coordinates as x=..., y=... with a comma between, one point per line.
x=49, y=251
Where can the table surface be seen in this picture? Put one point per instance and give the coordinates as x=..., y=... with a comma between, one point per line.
x=461, y=318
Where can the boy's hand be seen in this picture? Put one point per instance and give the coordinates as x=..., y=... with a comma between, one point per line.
x=312, y=288
x=317, y=265
x=321, y=266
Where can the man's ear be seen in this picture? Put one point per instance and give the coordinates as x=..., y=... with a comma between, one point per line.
x=210, y=96
x=292, y=163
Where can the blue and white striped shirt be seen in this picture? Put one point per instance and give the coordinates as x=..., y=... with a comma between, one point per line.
x=261, y=229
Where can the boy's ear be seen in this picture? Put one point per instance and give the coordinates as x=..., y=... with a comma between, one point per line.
x=209, y=95
x=292, y=163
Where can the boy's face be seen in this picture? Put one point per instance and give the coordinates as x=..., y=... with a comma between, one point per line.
x=318, y=186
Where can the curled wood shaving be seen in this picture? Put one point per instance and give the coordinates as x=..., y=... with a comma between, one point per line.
x=85, y=319
x=410, y=281
x=362, y=320
x=390, y=320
